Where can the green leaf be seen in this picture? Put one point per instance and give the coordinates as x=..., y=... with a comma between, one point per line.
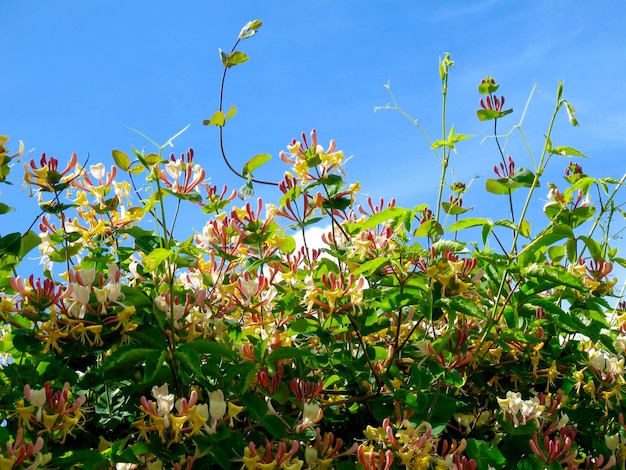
x=521, y=178
x=303, y=325
x=63, y=254
x=255, y=405
x=152, y=159
x=370, y=267
x=232, y=59
x=88, y=459
x=567, y=151
x=462, y=305
x=489, y=114
x=430, y=228
x=488, y=85
x=207, y=346
x=156, y=257
x=11, y=244
x=382, y=217
x=287, y=352
x=274, y=425
x=126, y=358
x=255, y=162
x=546, y=238
x=557, y=275
x=155, y=361
x=190, y=361
x=485, y=454
x=121, y=159
x=555, y=314
x=454, y=209
x=4, y=208
x=30, y=240
x=468, y=223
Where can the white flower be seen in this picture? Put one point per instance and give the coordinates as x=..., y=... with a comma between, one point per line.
x=164, y=399
x=217, y=405
x=515, y=406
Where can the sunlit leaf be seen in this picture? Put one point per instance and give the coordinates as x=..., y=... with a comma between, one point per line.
x=218, y=119
x=4, y=208
x=487, y=86
x=255, y=162
x=156, y=257
x=430, y=228
x=232, y=59
x=121, y=159
x=468, y=223
x=454, y=209
x=567, y=151
x=231, y=112
x=489, y=114
x=521, y=178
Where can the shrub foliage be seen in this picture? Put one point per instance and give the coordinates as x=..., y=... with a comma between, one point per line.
x=415, y=338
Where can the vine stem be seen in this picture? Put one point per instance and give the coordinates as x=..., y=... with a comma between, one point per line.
x=221, y=130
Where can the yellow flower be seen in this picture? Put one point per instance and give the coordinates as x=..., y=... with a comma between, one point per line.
x=6, y=464
x=49, y=420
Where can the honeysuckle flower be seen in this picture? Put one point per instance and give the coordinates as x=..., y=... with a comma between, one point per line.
x=22, y=454
x=520, y=411
x=495, y=104
x=46, y=176
x=372, y=460
x=303, y=157
x=192, y=174
x=37, y=294
x=56, y=414
x=217, y=405
x=267, y=459
x=556, y=449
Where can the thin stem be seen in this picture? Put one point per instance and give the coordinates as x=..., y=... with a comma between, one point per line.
x=602, y=211
x=221, y=132
x=543, y=162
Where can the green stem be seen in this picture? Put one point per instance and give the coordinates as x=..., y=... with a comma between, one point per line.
x=543, y=162
x=602, y=211
x=446, y=150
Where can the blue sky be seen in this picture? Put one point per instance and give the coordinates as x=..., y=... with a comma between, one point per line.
x=75, y=74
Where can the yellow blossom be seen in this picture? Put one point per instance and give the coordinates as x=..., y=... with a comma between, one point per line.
x=49, y=420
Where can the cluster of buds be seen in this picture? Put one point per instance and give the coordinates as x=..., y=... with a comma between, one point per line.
x=505, y=171
x=22, y=454
x=492, y=106
x=51, y=412
x=305, y=393
x=37, y=296
x=269, y=458
x=46, y=176
x=559, y=448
